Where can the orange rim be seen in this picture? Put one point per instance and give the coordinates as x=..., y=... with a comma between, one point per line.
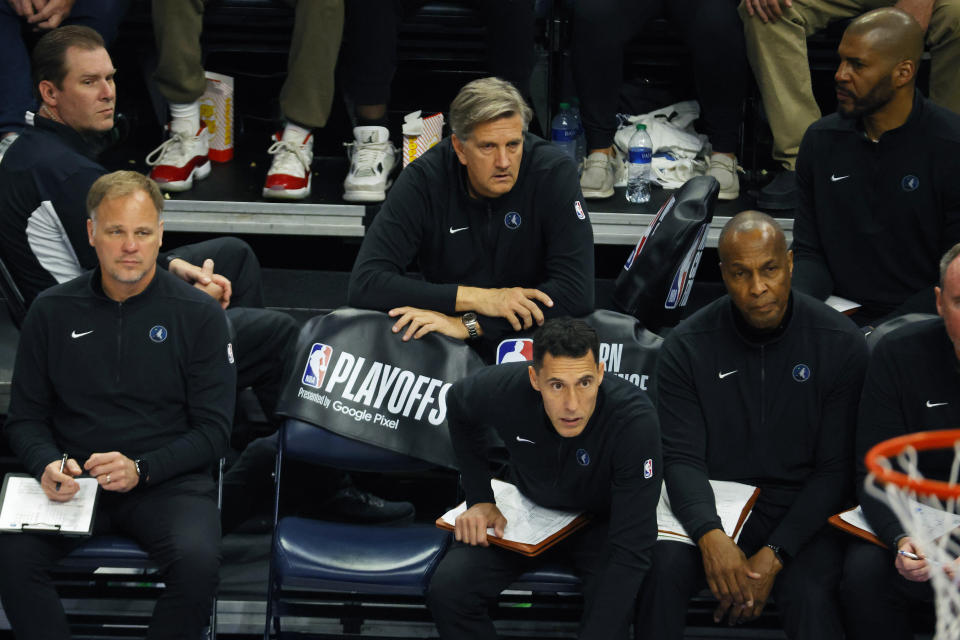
x=921, y=441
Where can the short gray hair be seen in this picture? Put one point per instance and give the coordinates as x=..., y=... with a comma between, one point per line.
x=945, y=261
x=484, y=100
x=119, y=184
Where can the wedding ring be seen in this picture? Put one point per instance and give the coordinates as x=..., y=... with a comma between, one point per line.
x=108, y=478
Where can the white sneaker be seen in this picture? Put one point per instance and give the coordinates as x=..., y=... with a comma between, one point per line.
x=5, y=143
x=181, y=158
x=724, y=169
x=599, y=174
x=289, y=176
x=372, y=158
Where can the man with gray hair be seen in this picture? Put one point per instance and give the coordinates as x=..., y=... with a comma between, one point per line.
x=129, y=370
x=493, y=217
x=912, y=384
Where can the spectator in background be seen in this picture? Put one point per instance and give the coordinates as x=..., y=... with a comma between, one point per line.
x=305, y=99
x=709, y=28
x=777, y=31
x=369, y=61
x=879, y=194
x=493, y=216
x=16, y=95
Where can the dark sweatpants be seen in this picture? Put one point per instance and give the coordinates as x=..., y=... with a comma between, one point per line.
x=805, y=590
x=232, y=258
x=877, y=601
x=468, y=578
x=369, y=55
x=176, y=522
x=711, y=29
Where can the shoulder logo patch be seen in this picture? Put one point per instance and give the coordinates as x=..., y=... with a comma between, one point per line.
x=158, y=333
x=579, y=210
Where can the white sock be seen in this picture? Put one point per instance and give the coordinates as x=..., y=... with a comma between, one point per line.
x=295, y=133
x=185, y=117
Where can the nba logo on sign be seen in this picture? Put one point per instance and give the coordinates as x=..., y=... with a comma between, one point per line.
x=648, y=468
x=515, y=350
x=317, y=363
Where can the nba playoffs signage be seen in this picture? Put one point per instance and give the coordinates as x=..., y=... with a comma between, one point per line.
x=355, y=377
x=627, y=350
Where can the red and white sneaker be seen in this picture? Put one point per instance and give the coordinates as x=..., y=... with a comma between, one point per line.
x=289, y=176
x=181, y=158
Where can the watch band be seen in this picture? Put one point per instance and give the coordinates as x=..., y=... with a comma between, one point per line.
x=469, y=320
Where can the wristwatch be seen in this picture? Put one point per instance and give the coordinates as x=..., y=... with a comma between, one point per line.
x=469, y=320
x=143, y=470
x=778, y=552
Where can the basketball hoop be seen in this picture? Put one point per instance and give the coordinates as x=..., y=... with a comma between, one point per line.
x=927, y=510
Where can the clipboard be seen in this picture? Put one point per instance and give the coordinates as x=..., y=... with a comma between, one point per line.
x=514, y=505
x=838, y=521
x=732, y=499
x=530, y=550
x=25, y=508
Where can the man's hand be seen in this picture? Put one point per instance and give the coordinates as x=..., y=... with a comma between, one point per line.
x=767, y=10
x=921, y=10
x=25, y=8
x=913, y=570
x=50, y=13
x=420, y=322
x=765, y=567
x=471, y=525
x=114, y=471
x=727, y=572
x=518, y=305
x=203, y=278
x=68, y=486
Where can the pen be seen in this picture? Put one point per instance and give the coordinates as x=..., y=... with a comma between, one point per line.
x=907, y=554
x=63, y=465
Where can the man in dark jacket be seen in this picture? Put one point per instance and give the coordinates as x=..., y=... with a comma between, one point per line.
x=575, y=444
x=760, y=387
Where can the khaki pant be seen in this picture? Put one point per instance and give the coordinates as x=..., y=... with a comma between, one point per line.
x=778, y=54
x=307, y=93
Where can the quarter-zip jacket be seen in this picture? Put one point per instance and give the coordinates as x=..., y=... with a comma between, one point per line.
x=778, y=414
x=536, y=235
x=912, y=384
x=601, y=470
x=873, y=218
x=151, y=377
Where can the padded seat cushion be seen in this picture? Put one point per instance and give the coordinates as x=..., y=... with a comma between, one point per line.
x=550, y=577
x=330, y=556
x=107, y=550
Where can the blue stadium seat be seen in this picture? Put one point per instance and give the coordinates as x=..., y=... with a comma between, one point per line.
x=312, y=556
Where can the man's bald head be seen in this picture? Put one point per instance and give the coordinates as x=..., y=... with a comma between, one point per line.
x=891, y=32
x=750, y=221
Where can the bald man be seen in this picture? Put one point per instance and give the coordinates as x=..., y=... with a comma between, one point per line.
x=912, y=384
x=759, y=387
x=776, y=33
x=879, y=194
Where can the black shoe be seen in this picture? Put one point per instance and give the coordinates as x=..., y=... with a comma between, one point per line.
x=780, y=193
x=351, y=504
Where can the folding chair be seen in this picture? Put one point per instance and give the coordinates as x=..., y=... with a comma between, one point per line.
x=343, y=561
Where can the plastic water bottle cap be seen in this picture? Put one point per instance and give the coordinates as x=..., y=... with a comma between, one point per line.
x=564, y=106
x=640, y=127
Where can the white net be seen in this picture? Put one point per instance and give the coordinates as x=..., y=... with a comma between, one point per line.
x=933, y=525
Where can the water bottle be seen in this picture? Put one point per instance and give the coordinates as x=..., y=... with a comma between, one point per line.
x=564, y=133
x=638, y=172
x=581, y=136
